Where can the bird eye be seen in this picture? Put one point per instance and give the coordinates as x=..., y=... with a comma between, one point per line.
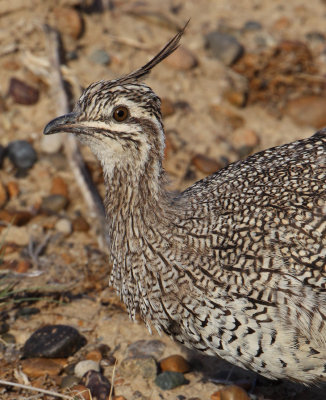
x=120, y=113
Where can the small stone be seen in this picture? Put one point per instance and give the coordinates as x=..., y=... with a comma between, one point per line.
x=94, y=355
x=22, y=154
x=316, y=36
x=226, y=118
x=52, y=143
x=36, y=367
x=69, y=381
x=247, y=138
x=182, y=59
x=13, y=217
x=169, y=380
x=236, y=98
x=80, y=224
x=100, y=56
x=153, y=348
x=252, y=26
x=167, y=107
x=281, y=24
x=205, y=164
x=3, y=195
x=59, y=186
x=80, y=392
x=68, y=21
x=23, y=266
x=13, y=189
x=175, y=363
x=54, y=341
x=98, y=385
x=22, y=93
x=225, y=47
x=144, y=366
x=63, y=225
x=27, y=311
x=84, y=366
x=230, y=393
x=307, y=110
x=54, y=203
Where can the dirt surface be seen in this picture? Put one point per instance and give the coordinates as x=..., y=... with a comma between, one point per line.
x=63, y=269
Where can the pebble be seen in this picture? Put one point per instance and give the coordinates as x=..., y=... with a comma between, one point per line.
x=36, y=367
x=22, y=154
x=80, y=224
x=68, y=381
x=54, y=203
x=230, y=393
x=13, y=189
x=8, y=338
x=68, y=21
x=175, y=363
x=80, y=392
x=23, y=266
x=182, y=59
x=63, y=225
x=236, y=98
x=245, y=141
x=98, y=385
x=54, y=341
x=94, y=355
x=17, y=218
x=84, y=366
x=144, y=366
x=3, y=195
x=153, y=348
x=100, y=56
x=252, y=26
x=59, y=186
x=22, y=93
x=226, y=118
x=224, y=47
x=282, y=24
x=27, y=311
x=167, y=107
x=205, y=164
x=169, y=380
x=51, y=144
x=307, y=110
x=316, y=36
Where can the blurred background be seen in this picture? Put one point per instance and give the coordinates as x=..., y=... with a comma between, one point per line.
x=249, y=75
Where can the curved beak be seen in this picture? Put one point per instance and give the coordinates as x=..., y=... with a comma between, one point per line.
x=65, y=123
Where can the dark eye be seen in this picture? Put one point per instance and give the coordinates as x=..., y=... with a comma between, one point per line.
x=120, y=113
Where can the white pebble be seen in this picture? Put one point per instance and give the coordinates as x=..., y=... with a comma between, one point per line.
x=84, y=366
x=64, y=226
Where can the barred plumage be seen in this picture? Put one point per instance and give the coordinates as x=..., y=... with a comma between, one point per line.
x=234, y=266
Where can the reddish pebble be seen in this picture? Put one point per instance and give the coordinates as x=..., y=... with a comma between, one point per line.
x=23, y=266
x=205, y=164
x=59, y=186
x=22, y=93
x=94, y=355
x=3, y=195
x=13, y=189
x=230, y=393
x=68, y=21
x=182, y=59
x=167, y=107
x=175, y=363
x=81, y=392
x=35, y=367
x=80, y=224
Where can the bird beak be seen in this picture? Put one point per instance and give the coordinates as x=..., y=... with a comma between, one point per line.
x=65, y=123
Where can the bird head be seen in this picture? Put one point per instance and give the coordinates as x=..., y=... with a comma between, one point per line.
x=120, y=120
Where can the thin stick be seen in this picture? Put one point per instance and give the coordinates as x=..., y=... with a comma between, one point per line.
x=77, y=164
x=32, y=388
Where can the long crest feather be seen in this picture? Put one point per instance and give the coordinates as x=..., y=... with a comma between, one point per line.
x=168, y=49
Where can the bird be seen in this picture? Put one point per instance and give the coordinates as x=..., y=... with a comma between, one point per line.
x=235, y=265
